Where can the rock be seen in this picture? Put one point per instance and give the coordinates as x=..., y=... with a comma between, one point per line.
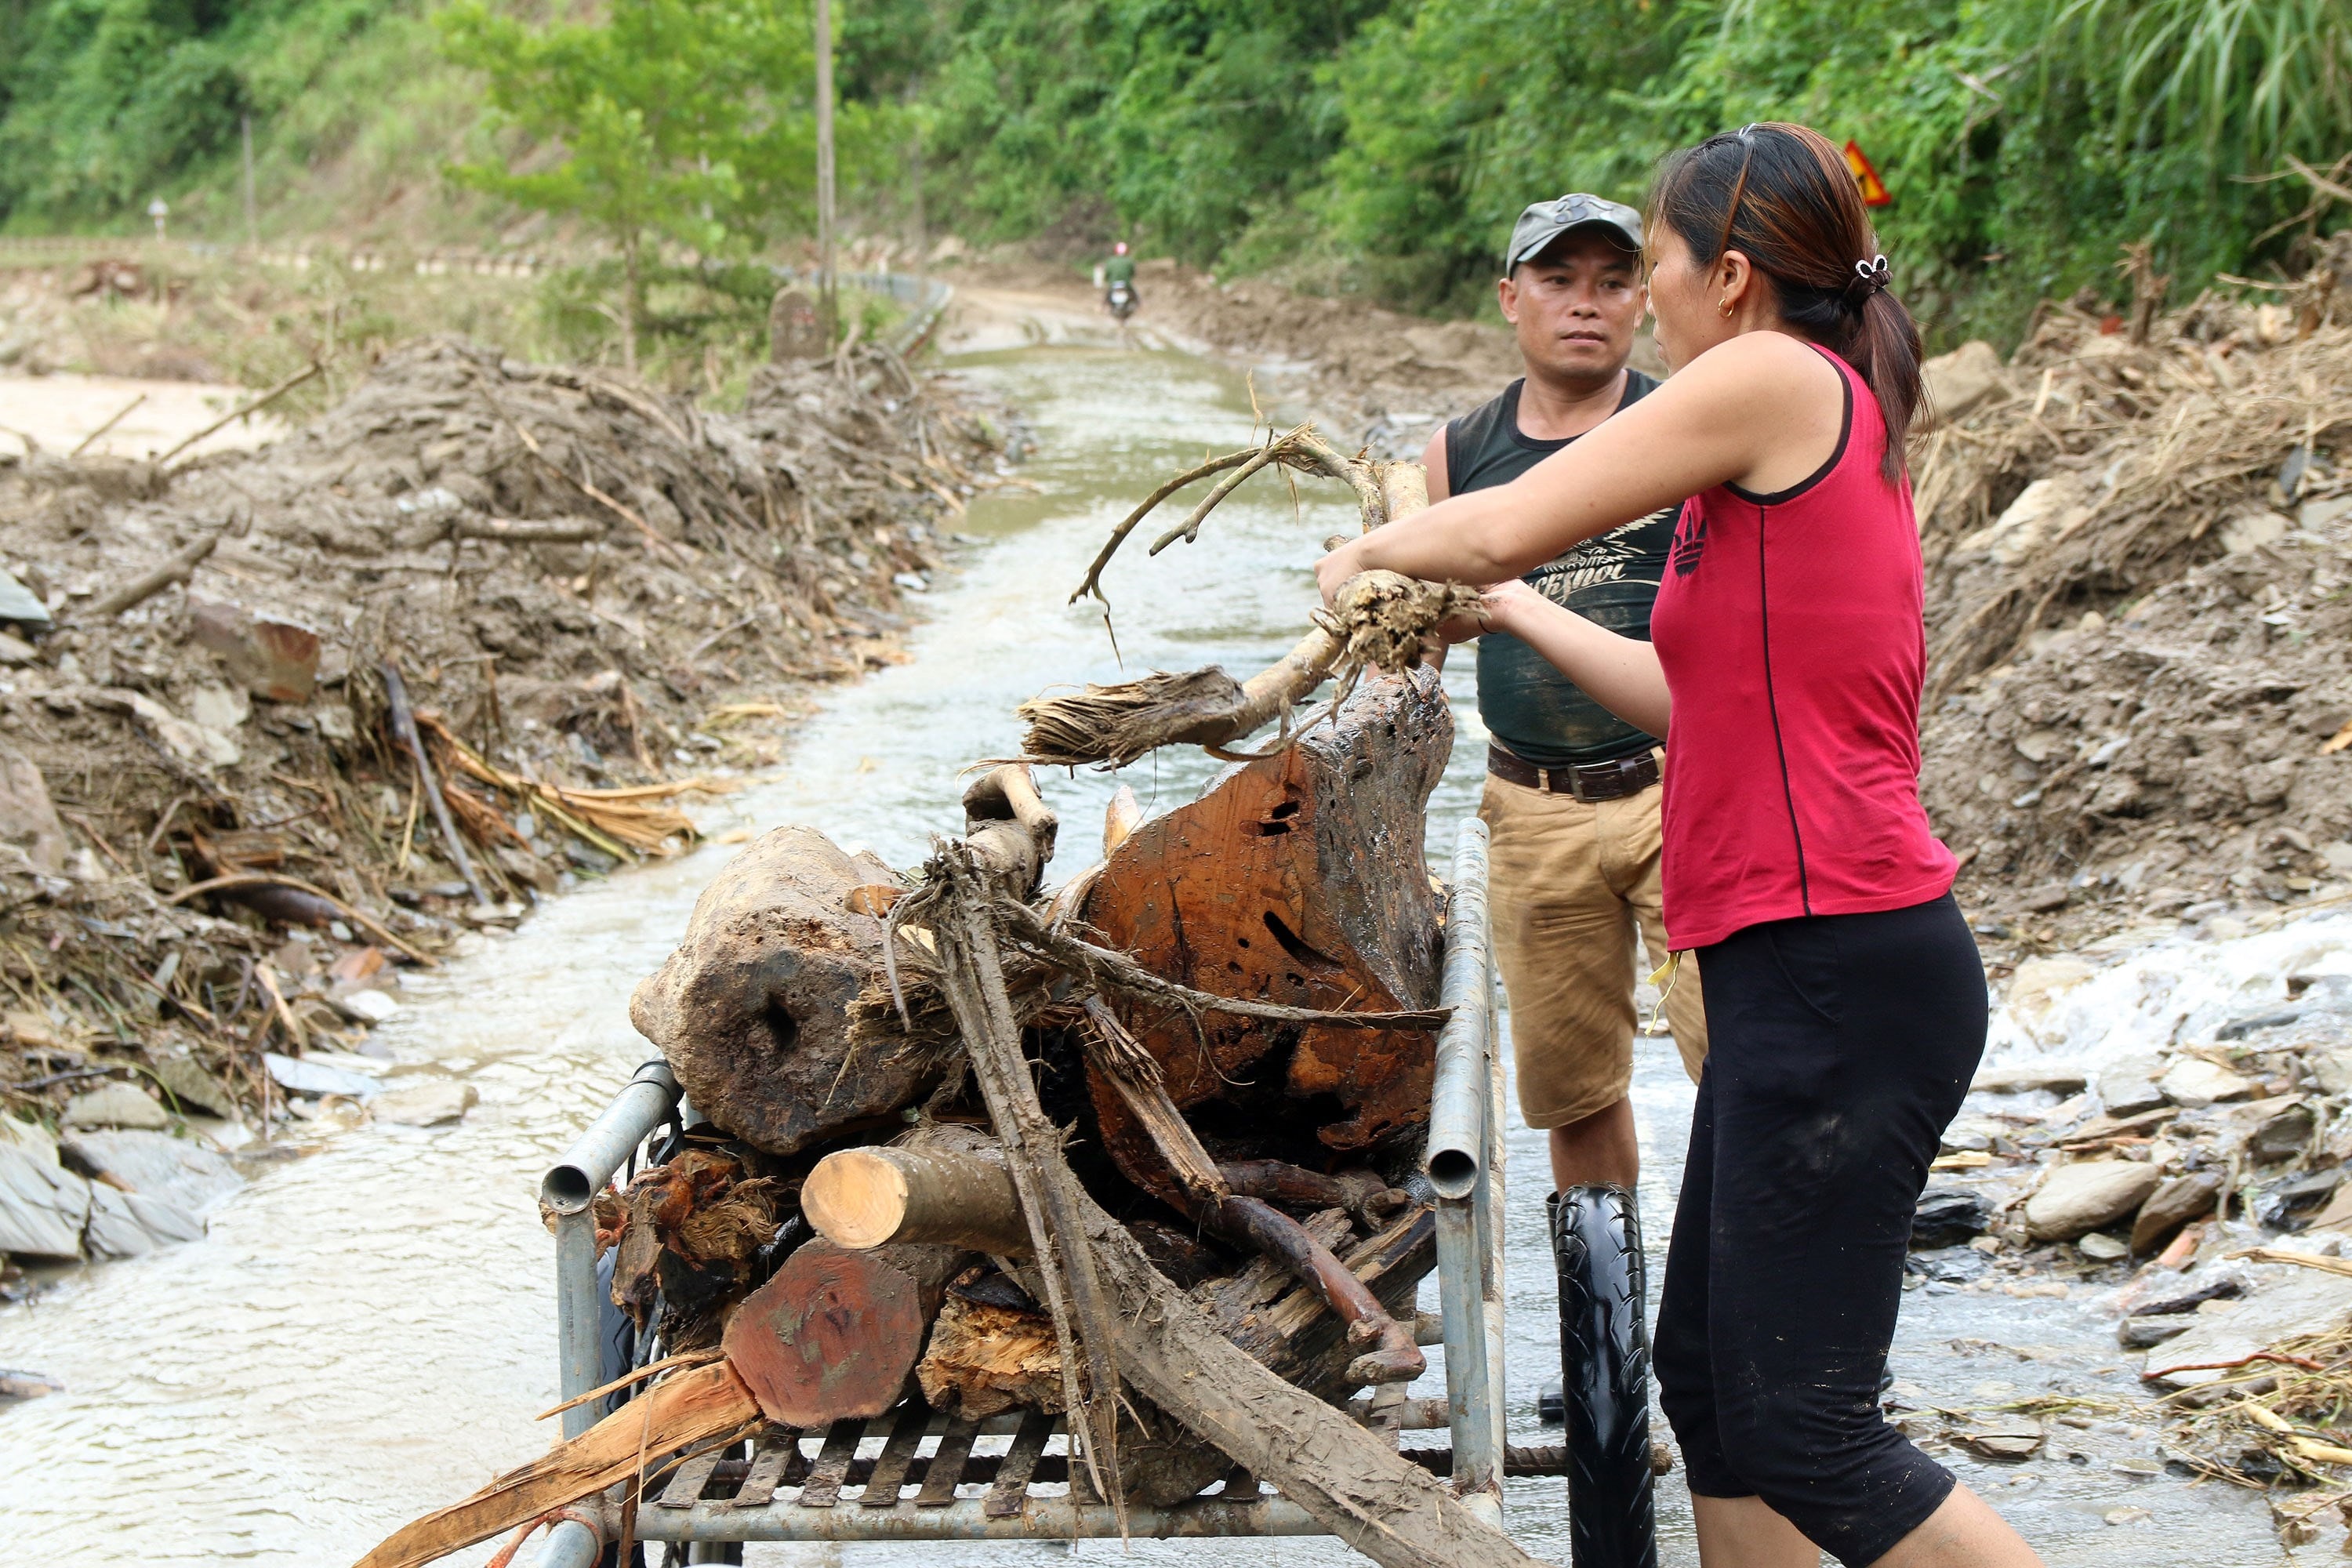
x=2074, y=1199
x=2196, y=1083
x=2337, y=1215
x=2024, y=1078
x=20, y=604
x=2005, y=1438
x=187, y=1176
x=221, y=708
x=426, y=1104
x=27, y=819
x=1962, y=380
x=2130, y=1513
x=15, y=1384
x=133, y=1225
x=15, y=651
x=271, y=658
x=31, y=1029
x=2172, y=1206
x=2282, y=1206
x=2044, y=900
x=2147, y=1332
x=366, y=1005
x=2035, y=989
x=187, y=1082
x=30, y=1137
x=527, y=867
x=1947, y=1216
x=2332, y=1071
x=189, y=742
x=2310, y=1302
x=115, y=1105
x=2098, y=1127
x=2101, y=1247
x=2282, y=1130
x=317, y=1077
x=2245, y=533
x=43, y=1206
x=2129, y=1088
x=2044, y=509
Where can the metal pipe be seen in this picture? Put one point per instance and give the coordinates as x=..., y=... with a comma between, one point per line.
x=1467, y=1364
x=571, y=1544
x=1040, y=1519
x=1490, y=1199
x=572, y=1184
x=1457, y=1109
x=569, y=1189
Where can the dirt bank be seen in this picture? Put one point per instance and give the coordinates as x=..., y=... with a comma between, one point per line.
x=597, y=597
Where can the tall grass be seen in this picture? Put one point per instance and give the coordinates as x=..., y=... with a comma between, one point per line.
x=2254, y=81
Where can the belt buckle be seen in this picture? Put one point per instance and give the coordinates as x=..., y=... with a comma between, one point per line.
x=1576, y=786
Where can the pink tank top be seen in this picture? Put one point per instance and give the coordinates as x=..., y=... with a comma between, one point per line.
x=1790, y=627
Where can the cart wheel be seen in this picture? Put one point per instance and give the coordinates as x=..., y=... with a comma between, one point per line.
x=1604, y=1352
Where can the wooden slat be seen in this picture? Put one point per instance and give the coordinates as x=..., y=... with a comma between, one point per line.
x=1011, y=1485
x=822, y=1488
x=947, y=1465
x=759, y=1488
x=686, y=1483
x=891, y=1468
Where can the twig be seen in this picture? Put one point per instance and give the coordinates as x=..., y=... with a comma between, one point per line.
x=1093, y=585
x=69, y=1076
x=256, y=407
x=175, y=568
x=666, y=1364
x=1189, y=528
x=404, y=725
x=119, y=416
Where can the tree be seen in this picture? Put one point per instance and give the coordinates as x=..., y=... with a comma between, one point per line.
x=690, y=121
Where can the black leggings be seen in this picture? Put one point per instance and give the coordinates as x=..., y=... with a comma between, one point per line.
x=1840, y=1048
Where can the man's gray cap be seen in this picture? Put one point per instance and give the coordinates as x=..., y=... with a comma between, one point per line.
x=1546, y=221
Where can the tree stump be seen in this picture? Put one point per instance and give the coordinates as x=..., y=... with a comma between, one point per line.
x=1298, y=879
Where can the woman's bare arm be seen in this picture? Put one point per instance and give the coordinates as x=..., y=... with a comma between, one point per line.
x=1621, y=673
x=1762, y=410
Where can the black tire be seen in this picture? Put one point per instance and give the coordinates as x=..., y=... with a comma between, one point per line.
x=1604, y=1354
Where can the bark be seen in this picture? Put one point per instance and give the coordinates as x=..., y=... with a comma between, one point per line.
x=1345, y=1476
x=1297, y=879
x=835, y=1334
x=751, y=1010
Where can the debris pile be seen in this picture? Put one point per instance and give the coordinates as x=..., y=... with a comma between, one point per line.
x=273, y=724
x=1139, y=1151
x=2138, y=551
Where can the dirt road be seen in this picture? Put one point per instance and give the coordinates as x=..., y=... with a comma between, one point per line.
x=58, y=411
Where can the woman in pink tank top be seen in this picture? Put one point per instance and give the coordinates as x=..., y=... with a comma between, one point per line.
x=1845, y=1002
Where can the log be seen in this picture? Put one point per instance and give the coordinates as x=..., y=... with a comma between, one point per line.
x=835, y=1334
x=751, y=1011
x=703, y=1408
x=1297, y=879
x=177, y=567
x=944, y=1184
x=985, y=1359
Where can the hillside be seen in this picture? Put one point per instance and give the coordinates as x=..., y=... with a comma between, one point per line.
x=2025, y=140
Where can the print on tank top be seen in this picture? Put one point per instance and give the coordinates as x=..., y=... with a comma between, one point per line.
x=1690, y=539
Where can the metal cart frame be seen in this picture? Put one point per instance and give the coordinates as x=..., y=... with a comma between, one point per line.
x=781, y=1492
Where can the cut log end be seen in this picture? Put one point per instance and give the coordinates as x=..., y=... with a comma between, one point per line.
x=855, y=1199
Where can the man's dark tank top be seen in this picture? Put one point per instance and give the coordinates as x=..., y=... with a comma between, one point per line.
x=1527, y=705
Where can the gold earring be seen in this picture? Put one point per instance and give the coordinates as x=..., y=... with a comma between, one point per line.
x=1724, y=307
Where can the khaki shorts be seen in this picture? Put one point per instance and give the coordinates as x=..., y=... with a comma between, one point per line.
x=1570, y=884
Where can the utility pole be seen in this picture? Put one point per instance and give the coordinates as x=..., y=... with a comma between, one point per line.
x=252, y=229
x=827, y=304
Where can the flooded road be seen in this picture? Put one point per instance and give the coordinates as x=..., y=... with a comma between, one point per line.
x=367, y=1332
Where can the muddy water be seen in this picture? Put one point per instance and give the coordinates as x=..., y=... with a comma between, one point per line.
x=367, y=1331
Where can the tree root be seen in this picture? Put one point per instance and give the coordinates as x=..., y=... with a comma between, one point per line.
x=1379, y=618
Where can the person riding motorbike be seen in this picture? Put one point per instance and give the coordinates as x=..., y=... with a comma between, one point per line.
x=1119, y=283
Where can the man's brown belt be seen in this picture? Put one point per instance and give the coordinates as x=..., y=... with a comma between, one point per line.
x=1586, y=781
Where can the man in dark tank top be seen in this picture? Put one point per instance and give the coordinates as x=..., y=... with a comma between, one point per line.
x=1572, y=792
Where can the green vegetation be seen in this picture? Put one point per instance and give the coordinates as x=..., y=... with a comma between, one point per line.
x=1378, y=147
